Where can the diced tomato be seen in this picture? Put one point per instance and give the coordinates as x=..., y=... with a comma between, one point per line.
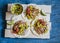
x=42, y=22
x=28, y=10
x=14, y=32
x=17, y=29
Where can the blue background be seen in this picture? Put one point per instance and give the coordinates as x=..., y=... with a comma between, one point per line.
x=55, y=19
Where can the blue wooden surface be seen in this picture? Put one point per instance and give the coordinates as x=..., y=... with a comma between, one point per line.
x=55, y=19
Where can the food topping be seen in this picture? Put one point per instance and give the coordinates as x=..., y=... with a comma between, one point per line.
x=16, y=9
x=40, y=26
x=31, y=12
x=19, y=27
